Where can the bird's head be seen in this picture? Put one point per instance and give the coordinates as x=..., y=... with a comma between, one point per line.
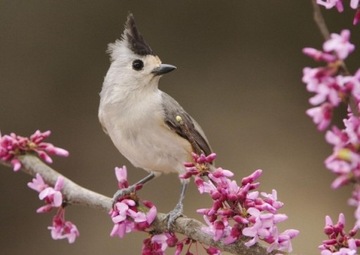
x=134, y=64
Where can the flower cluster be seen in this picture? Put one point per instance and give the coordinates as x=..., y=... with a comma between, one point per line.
x=62, y=229
x=239, y=210
x=330, y=87
x=345, y=159
x=157, y=244
x=338, y=241
x=338, y=4
x=127, y=214
x=14, y=145
x=53, y=198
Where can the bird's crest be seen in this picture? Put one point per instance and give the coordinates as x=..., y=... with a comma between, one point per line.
x=135, y=41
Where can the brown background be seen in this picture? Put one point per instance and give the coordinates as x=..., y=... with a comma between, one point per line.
x=239, y=74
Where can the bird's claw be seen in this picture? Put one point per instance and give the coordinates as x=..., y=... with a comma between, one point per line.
x=174, y=214
x=122, y=193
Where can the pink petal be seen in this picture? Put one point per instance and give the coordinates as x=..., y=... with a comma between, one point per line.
x=121, y=173
x=59, y=183
x=46, y=193
x=151, y=215
x=57, y=199
x=61, y=152
x=16, y=164
x=44, y=156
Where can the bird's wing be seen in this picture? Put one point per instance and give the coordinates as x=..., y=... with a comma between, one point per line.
x=173, y=109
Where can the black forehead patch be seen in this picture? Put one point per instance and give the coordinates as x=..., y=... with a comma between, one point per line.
x=136, y=42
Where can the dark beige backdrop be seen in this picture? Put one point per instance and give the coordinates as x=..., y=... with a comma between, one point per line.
x=239, y=73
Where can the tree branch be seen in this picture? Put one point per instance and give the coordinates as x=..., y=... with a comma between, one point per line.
x=78, y=195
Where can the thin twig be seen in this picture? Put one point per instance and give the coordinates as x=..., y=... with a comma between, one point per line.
x=78, y=195
x=320, y=21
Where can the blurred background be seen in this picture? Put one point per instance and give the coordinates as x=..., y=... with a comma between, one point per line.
x=239, y=74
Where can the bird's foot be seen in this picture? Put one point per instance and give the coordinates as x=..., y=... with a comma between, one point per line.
x=174, y=214
x=122, y=193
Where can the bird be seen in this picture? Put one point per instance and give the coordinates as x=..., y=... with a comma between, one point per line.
x=146, y=125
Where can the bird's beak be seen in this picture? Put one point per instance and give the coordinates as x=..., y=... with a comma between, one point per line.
x=163, y=69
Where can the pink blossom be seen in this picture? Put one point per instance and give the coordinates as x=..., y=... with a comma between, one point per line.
x=37, y=183
x=345, y=164
x=121, y=176
x=341, y=180
x=122, y=209
x=319, y=55
x=336, y=137
x=220, y=230
x=339, y=44
x=345, y=159
x=160, y=239
x=52, y=196
x=313, y=77
x=204, y=186
x=213, y=251
x=201, y=159
x=282, y=241
x=328, y=4
x=237, y=211
x=327, y=91
x=321, y=115
x=354, y=4
x=339, y=242
x=252, y=177
x=249, y=215
x=193, y=169
x=349, y=85
x=329, y=85
x=62, y=229
x=127, y=217
x=157, y=244
x=263, y=228
x=352, y=129
x=122, y=228
x=323, y=84
x=219, y=172
x=256, y=231
x=356, y=17
x=272, y=200
x=14, y=145
x=342, y=251
x=127, y=213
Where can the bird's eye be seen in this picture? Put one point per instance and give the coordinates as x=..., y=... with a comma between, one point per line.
x=137, y=64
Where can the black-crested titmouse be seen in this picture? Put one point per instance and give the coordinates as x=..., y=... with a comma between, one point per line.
x=145, y=123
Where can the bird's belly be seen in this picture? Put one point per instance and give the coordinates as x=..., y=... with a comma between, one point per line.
x=154, y=148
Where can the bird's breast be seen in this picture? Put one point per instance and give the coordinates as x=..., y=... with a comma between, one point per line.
x=142, y=136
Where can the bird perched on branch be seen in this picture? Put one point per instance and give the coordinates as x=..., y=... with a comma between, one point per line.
x=145, y=124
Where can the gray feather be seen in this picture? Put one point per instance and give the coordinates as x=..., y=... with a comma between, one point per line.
x=173, y=109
